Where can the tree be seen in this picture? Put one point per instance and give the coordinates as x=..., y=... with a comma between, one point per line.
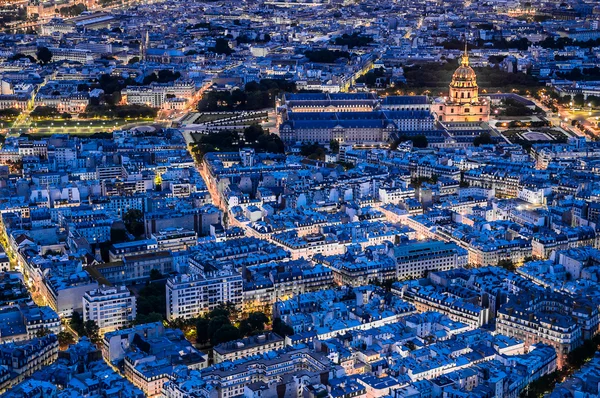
x=42, y=332
x=353, y=40
x=221, y=46
x=257, y=320
x=163, y=76
x=254, y=323
x=334, y=146
x=225, y=334
x=507, y=265
x=9, y=113
x=118, y=233
x=44, y=55
x=217, y=323
x=76, y=324
x=72, y=11
x=269, y=143
x=155, y=275
x=419, y=141
x=48, y=112
x=220, y=310
x=19, y=56
x=282, y=328
x=92, y=331
x=152, y=317
x=152, y=299
x=313, y=151
x=134, y=222
x=483, y=139
x=65, y=338
x=202, y=335
x=253, y=132
x=133, y=60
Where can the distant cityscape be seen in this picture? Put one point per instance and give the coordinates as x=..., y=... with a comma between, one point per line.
x=299, y=199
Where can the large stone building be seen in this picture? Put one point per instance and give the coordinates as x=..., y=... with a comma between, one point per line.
x=463, y=103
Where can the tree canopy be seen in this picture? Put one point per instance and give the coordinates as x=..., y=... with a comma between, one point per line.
x=44, y=55
x=134, y=222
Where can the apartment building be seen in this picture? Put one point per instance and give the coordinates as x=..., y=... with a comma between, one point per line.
x=549, y=318
x=22, y=359
x=247, y=347
x=415, y=259
x=110, y=307
x=175, y=239
x=191, y=295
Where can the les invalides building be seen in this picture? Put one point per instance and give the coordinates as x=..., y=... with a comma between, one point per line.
x=463, y=103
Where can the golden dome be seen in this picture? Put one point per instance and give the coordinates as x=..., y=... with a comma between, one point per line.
x=464, y=71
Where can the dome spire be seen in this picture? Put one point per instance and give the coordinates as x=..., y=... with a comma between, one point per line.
x=465, y=57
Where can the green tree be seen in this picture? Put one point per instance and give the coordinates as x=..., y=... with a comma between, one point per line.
x=254, y=323
x=220, y=310
x=353, y=40
x=507, y=264
x=202, y=335
x=258, y=320
x=221, y=47
x=483, y=139
x=269, y=143
x=313, y=151
x=217, y=323
x=253, y=132
x=152, y=298
x=225, y=334
x=155, y=275
x=334, y=145
x=45, y=112
x=42, y=332
x=44, y=55
x=134, y=222
x=133, y=60
x=281, y=328
x=9, y=113
x=92, y=331
x=76, y=324
x=65, y=338
x=578, y=99
x=152, y=317
x=419, y=141
x=19, y=56
x=118, y=233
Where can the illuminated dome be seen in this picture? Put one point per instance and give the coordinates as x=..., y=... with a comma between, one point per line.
x=463, y=88
x=464, y=73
